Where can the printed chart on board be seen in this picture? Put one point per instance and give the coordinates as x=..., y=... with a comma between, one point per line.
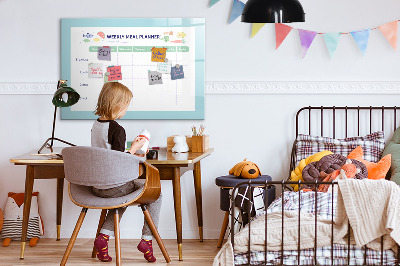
x=158, y=64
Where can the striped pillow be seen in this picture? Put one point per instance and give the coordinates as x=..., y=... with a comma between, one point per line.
x=372, y=145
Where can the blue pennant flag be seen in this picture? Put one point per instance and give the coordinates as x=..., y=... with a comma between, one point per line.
x=332, y=41
x=237, y=9
x=213, y=2
x=361, y=37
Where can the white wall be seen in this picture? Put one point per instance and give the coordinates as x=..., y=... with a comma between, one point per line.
x=259, y=127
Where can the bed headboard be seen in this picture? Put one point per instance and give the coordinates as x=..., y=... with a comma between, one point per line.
x=344, y=121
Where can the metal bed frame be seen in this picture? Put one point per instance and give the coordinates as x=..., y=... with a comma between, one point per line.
x=283, y=184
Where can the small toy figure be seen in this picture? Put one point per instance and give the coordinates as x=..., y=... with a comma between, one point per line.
x=180, y=144
x=245, y=169
x=13, y=215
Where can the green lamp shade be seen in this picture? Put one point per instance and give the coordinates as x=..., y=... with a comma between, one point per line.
x=73, y=97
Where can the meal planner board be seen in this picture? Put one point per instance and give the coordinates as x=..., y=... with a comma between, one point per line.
x=160, y=60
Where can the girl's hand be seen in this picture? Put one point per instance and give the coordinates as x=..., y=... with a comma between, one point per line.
x=142, y=155
x=137, y=144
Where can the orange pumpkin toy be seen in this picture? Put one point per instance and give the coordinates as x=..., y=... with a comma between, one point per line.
x=245, y=169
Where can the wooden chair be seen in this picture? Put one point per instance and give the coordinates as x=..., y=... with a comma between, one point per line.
x=85, y=167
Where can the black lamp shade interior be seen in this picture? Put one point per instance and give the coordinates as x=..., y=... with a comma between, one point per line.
x=273, y=11
x=73, y=97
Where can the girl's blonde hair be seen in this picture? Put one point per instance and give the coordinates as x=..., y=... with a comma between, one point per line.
x=114, y=97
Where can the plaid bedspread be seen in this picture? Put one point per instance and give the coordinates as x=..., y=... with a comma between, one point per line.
x=307, y=202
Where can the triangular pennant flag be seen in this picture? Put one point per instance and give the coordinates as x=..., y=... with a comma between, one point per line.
x=361, y=37
x=256, y=28
x=213, y=2
x=281, y=31
x=389, y=30
x=237, y=9
x=306, y=39
x=332, y=41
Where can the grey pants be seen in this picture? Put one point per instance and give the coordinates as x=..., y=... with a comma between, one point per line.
x=154, y=208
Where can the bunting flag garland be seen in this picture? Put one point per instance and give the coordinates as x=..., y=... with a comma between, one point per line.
x=237, y=9
x=281, y=31
x=389, y=30
x=256, y=27
x=332, y=41
x=361, y=37
x=306, y=39
x=213, y=2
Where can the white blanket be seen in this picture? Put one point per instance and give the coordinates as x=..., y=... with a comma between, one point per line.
x=371, y=206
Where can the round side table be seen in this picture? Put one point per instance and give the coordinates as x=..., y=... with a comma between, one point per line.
x=226, y=183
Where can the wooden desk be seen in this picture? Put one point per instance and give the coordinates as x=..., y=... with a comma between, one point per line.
x=171, y=167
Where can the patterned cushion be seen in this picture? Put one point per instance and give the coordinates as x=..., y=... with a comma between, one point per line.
x=13, y=228
x=372, y=144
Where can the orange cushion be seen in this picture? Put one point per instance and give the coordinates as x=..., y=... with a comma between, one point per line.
x=375, y=170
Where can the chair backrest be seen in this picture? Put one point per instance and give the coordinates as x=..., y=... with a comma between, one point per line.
x=92, y=166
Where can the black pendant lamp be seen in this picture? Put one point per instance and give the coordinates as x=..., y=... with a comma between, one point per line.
x=273, y=11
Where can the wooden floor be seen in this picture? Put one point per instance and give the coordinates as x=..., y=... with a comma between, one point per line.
x=50, y=252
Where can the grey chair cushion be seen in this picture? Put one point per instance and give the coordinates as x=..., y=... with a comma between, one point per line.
x=99, y=167
x=83, y=195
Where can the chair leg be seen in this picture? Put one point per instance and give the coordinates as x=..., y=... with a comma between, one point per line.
x=117, y=239
x=101, y=222
x=223, y=229
x=73, y=237
x=154, y=230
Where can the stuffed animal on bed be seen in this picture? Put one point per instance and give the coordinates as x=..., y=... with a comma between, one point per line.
x=13, y=215
x=245, y=169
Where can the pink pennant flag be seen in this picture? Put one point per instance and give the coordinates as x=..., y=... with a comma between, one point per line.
x=281, y=31
x=306, y=39
x=389, y=30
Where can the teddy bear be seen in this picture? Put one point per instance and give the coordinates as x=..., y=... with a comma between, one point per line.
x=13, y=215
x=180, y=144
x=245, y=169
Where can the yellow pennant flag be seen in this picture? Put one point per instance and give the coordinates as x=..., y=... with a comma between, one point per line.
x=256, y=28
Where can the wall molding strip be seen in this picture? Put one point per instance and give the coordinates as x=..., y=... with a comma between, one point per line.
x=244, y=87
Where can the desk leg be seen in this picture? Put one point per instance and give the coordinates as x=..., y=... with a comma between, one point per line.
x=176, y=182
x=27, y=206
x=199, y=204
x=60, y=190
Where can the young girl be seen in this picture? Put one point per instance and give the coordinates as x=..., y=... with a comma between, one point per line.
x=112, y=104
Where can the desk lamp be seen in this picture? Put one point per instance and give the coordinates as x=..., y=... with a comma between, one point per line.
x=273, y=11
x=64, y=97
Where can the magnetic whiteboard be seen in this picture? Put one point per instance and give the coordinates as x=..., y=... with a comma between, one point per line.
x=133, y=52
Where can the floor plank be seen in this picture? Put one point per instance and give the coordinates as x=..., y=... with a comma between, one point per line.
x=50, y=252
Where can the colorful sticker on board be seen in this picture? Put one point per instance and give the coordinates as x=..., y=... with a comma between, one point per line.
x=101, y=34
x=181, y=35
x=166, y=38
x=95, y=70
x=104, y=53
x=155, y=78
x=177, y=72
x=115, y=73
x=158, y=54
x=164, y=67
